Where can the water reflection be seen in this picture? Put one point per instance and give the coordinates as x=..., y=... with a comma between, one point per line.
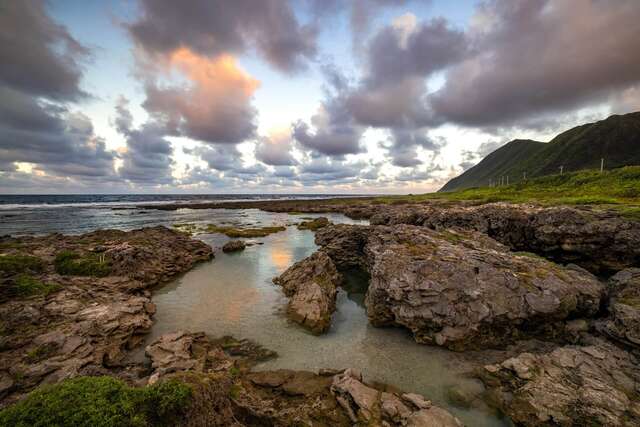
x=234, y=295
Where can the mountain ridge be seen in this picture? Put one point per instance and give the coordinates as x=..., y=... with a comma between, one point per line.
x=616, y=139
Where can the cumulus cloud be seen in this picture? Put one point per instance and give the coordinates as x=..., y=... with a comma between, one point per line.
x=404, y=145
x=216, y=105
x=38, y=56
x=275, y=149
x=219, y=157
x=148, y=158
x=534, y=57
x=336, y=131
x=215, y=27
x=40, y=74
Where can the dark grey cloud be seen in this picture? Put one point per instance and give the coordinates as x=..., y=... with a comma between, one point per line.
x=38, y=56
x=322, y=170
x=148, y=158
x=40, y=73
x=399, y=60
x=403, y=147
x=534, y=57
x=212, y=27
x=219, y=157
x=56, y=140
x=397, y=52
x=336, y=131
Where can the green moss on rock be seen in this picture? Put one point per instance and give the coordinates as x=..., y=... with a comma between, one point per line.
x=72, y=264
x=16, y=264
x=100, y=401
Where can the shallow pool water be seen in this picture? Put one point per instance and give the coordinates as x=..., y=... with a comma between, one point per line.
x=234, y=295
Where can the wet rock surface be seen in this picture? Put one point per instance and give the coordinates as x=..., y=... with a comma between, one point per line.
x=86, y=325
x=463, y=290
x=282, y=397
x=234, y=246
x=594, y=384
x=311, y=285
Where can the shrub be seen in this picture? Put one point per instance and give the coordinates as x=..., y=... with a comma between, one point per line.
x=16, y=264
x=71, y=263
x=99, y=401
x=26, y=285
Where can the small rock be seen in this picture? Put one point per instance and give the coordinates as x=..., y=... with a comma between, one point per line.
x=234, y=246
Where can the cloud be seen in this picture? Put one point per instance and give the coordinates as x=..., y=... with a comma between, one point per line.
x=214, y=27
x=219, y=157
x=400, y=57
x=38, y=56
x=404, y=144
x=148, y=156
x=275, y=150
x=48, y=135
x=216, y=105
x=534, y=57
x=409, y=49
x=336, y=132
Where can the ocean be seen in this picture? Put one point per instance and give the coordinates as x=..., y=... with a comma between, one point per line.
x=75, y=214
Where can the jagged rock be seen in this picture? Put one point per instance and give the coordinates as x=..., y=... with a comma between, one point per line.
x=233, y=246
x=366, y=405
x=599, y=241
x=570, y=386
x=623, y=323
x=88, y=325
x=311, y=286
x=314, y=224
x=344, y=244
x=173, y=352
x=461, y=289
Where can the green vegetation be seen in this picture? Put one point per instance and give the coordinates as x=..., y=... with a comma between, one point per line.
x=235, y=232
x=71, y=263
x=26, y=285
x=41, y=352
x=617, y=189
x=16, y=264
x=313, y=224
x=615, y=139
x=99, y=401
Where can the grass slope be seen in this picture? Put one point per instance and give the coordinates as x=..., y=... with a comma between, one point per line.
x=617, y=189
x=616, y=139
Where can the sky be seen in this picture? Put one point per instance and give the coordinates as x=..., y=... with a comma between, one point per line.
x=299, y=96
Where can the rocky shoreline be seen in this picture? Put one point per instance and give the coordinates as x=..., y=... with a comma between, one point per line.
x=89, y=307
x=496, y=276
x=547, y=300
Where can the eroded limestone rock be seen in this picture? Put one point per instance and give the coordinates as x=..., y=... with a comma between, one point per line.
x=462, y=289
x=311, y=286
x=570, y=386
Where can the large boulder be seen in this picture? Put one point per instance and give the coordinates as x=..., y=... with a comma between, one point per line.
x=463, y=290
x=311, y=285
x=570, y=386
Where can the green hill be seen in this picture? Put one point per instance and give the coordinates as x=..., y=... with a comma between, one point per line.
x=616, y=139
